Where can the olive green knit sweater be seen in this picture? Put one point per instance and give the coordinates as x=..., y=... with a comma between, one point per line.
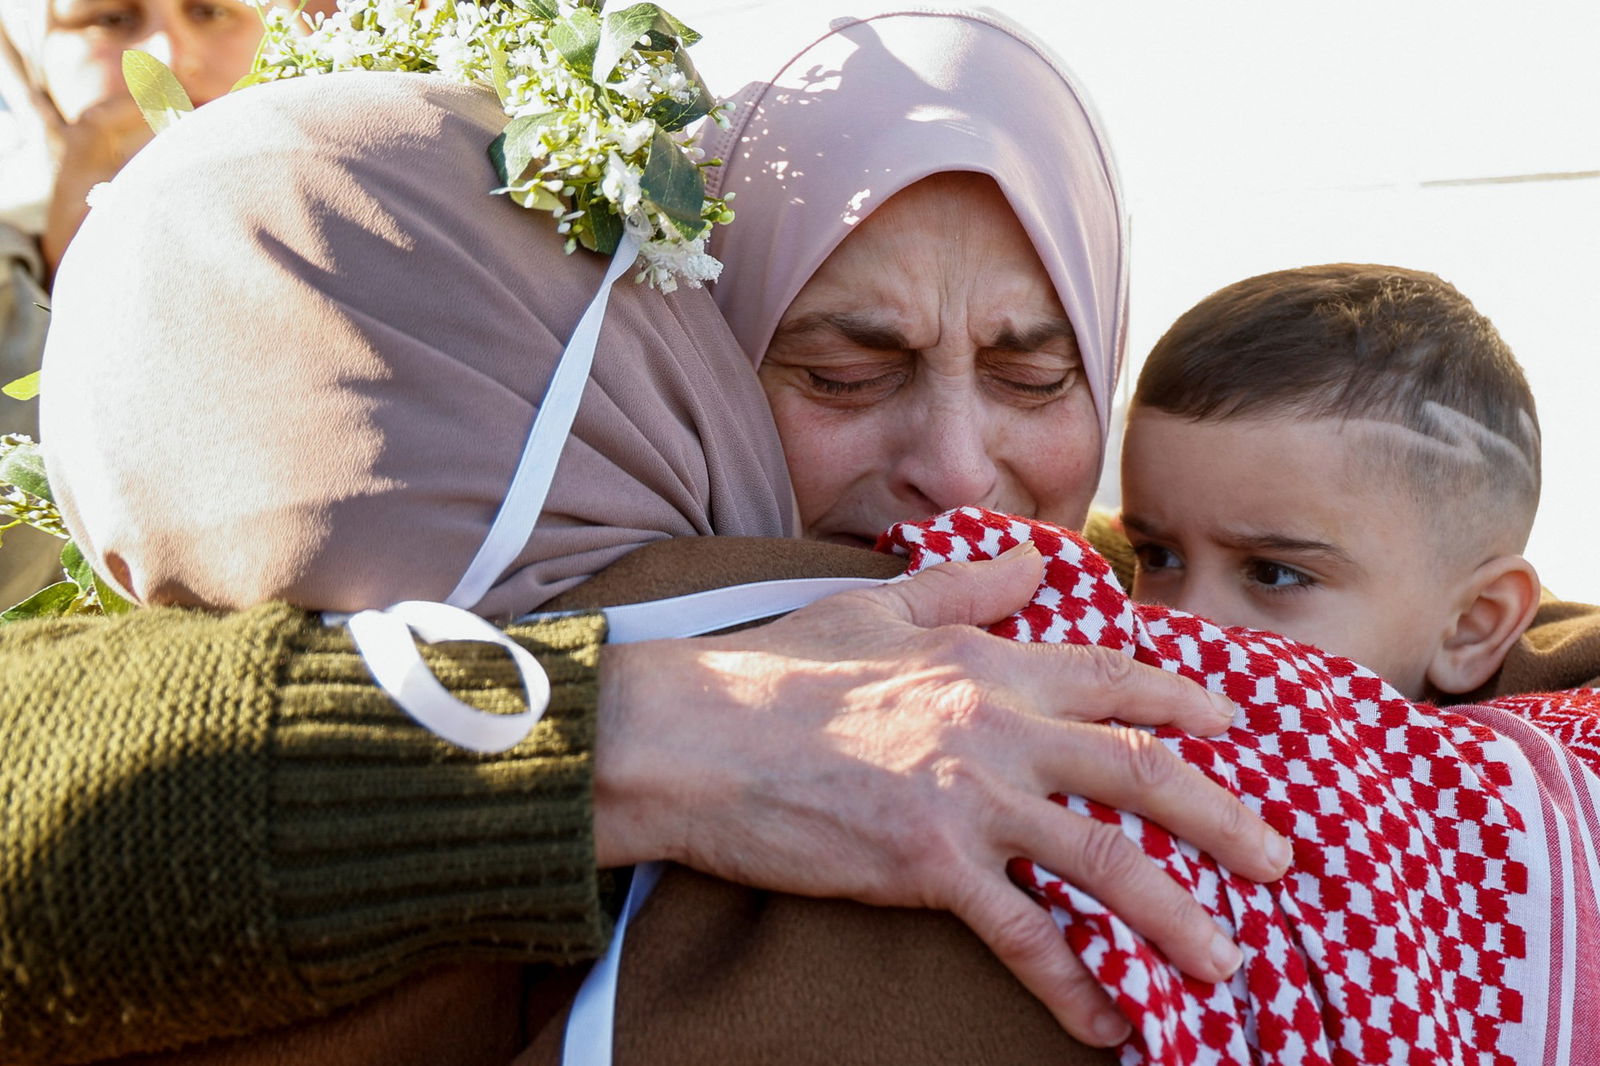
x=233, y=829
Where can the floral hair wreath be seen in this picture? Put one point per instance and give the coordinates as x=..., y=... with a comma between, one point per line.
x=598, y=104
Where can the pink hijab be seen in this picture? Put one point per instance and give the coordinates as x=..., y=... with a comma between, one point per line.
x=298, y=347
x=881, y=101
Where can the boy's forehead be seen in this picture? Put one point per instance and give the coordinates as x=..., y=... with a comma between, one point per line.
x=1316, y=480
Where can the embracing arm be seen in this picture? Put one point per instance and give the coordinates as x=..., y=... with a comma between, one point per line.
x=220, y=825
x=217, y=825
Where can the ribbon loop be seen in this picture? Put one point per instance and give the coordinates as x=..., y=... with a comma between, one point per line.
x=384, y=639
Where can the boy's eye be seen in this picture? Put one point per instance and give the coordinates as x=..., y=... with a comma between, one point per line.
x=1268, y=574
x=1154, y=557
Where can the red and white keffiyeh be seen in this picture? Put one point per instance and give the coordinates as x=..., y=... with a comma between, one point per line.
x=1442, y=903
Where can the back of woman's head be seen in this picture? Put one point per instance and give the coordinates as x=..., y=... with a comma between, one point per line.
x=298, y=347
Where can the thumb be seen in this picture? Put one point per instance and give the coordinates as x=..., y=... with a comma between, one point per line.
x=973, y=594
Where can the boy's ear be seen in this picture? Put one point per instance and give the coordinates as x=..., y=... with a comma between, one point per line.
x=1497, y=604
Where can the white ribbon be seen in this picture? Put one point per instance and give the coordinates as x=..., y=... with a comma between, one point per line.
x=519, y=512
x=383, y=637
x=714, y=609
x=592, y=1023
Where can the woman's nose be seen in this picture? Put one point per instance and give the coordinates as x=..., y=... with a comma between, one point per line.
x=949, y=462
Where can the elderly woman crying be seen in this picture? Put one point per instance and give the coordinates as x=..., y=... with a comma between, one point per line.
x=929, y=268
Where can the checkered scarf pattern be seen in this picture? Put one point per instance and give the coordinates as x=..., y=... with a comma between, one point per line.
x=1400, y=933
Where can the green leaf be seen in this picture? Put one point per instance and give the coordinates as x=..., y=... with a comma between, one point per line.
x=499, y=71
x=52, y=601
x=671, y=181
x=534, y=198
x=576, y=37
x=626, y=29
x=545, y=9
x=23, y=467
x=604, y=229
x=77, y=567
x=24, y=388
x=154, y=88
x=518, y=146
x=673, y=116
x=110, y=601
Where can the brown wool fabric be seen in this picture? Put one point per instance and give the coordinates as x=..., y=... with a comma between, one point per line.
x=1561, y=649
x=257, y=840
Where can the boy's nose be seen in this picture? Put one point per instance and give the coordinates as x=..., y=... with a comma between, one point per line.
x=1205, y=596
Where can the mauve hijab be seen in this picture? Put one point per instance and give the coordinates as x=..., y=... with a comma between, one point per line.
x=881, y=101
x=298, y=346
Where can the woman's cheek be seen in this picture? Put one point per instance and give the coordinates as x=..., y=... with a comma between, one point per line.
x=820, y=452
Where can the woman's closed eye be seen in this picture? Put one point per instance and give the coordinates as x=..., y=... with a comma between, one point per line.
x=851, y=383
x=1029, y=380
x=836, y=386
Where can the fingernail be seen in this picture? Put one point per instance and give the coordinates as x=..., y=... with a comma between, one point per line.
x=1279, y=851
x=1225, y=955
x=1022, y=547
x=1111, y=1029
x=1222, y=705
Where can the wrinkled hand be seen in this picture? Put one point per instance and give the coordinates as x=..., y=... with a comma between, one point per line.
x=93, y=149
x=876, y=746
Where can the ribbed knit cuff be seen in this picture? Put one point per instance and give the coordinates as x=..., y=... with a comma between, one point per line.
x=392, y=849
x=216, y=825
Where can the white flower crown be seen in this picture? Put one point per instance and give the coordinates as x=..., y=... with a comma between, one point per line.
x=598, y=104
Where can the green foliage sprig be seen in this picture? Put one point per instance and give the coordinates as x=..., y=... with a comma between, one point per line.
x=599, y=103
x=26, y=499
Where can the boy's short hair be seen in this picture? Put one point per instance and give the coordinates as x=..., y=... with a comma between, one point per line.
x=1366, y=342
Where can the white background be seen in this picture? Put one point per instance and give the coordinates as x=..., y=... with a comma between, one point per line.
x=1461, y=138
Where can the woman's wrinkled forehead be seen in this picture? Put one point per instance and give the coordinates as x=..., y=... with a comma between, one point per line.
x=876, y=104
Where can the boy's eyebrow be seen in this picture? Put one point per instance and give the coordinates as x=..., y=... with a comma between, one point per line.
x=1142, y=526
x=1251, y=541
x=1282, y=542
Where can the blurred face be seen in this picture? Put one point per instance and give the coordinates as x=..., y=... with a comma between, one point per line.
x=1274, y=524
x=928, y=364
x=209, y=44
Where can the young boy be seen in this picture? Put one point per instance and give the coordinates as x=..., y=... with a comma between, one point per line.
x=1347, y=455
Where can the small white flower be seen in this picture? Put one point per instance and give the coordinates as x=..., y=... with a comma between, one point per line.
x=621, y=184
x=633, y=137
x=453, y=56
x=590, y=132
